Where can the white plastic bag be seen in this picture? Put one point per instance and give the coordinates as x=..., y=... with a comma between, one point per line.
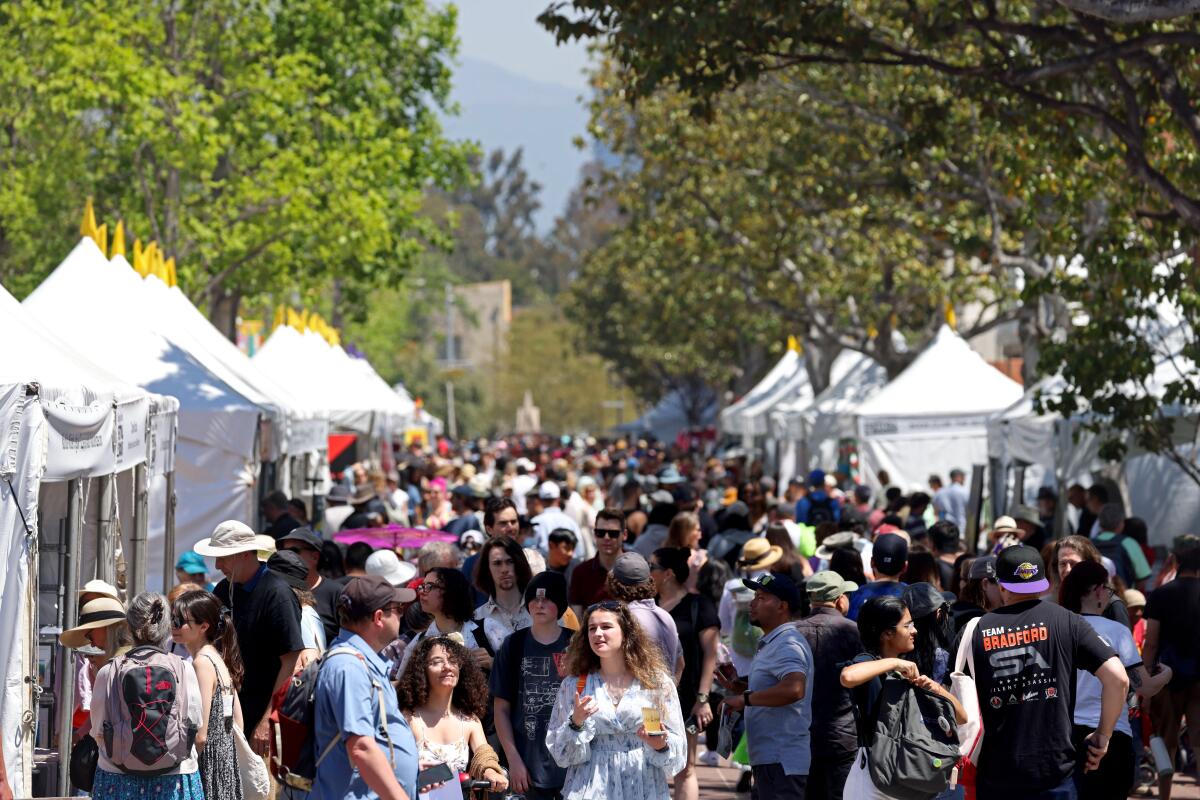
x=962, y=686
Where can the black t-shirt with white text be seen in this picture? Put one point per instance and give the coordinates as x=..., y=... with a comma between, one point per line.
x=538, y=675
x=1026, y=655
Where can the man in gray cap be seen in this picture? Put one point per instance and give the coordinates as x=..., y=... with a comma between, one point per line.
x=630, y=582
x=834, y=640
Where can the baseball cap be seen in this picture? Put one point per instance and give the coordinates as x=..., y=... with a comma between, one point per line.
x=982, y=568
x=817, y=478
x=922, y=599
x=548, y=490
x=1020, y=570
x=889, y=553
x=631, y=569
x=366, y=594
x=192, y=563
x=780, y=586
x=304, y=535
x=827, y=586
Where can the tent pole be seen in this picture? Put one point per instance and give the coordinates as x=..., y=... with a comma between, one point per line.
x=65, y=689
x=169, y=535
x=106, y=562
x=141, y=523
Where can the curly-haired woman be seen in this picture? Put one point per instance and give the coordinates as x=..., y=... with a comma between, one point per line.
x=444, y=696
x=598, y=731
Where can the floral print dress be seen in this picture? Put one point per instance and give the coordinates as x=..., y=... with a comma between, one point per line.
x=607, y=759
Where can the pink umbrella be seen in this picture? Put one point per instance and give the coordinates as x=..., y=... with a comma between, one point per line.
x=393, y=536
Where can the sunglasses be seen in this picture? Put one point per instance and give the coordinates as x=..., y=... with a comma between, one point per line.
x=298, y=550
x=606, y=533
x=426, y=588
x=178, y=621
x=604, y=605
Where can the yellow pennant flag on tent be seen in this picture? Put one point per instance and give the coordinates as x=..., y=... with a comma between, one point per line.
x=118, y=240
x=951, y=317
x=170, y=271
x=87, y=227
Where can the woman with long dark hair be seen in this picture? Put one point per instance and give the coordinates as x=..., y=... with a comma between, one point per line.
x=931, y=613
x=888, y=634
x=201, y=624
x=599, y=731
x=446, y=596
x=1085, y=591
x=444, y=696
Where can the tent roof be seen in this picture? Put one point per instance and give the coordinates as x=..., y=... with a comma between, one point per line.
x=783, y=369
x=63, y=373
x=948, y=378
x=82, y=302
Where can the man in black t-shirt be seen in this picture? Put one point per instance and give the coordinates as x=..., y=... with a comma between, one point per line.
x=524, y=683
x=305, y=543
x=1026, y=653
x=266, y=617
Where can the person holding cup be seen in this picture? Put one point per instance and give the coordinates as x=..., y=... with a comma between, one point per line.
x=616, y=726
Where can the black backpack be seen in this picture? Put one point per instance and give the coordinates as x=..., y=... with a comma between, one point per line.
x=1114, y=550
x=820, y=511
x=913, y=745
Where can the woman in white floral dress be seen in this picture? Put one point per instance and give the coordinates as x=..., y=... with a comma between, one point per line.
x=598, y=731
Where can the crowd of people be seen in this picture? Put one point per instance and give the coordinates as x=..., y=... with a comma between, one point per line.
x=594, y=620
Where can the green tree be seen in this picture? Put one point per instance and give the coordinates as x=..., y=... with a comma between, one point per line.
x=264, y=146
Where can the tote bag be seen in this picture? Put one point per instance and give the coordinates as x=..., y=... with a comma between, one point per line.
x=256, y=781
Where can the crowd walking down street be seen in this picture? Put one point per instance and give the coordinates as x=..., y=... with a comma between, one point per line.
x=770, y=657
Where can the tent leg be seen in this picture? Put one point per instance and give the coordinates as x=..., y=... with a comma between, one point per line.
x=106, y=560
x=141, y=524
x=64, y=695
x=169, y=535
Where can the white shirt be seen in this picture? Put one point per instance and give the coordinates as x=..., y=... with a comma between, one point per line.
x=551, y=520
x=522, y=485
x=498, y=624
x=1087, y=686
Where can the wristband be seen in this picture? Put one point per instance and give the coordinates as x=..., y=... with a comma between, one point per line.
x=571, y=724
x=702, y=697
x=746, y=698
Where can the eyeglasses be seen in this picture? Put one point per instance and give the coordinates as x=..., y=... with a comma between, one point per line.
x=604, y=605
x=393, y=608
x=607, y=533
x=426, y=588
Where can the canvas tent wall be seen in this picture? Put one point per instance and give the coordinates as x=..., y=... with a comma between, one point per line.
x=933, y=417
x=809, y=429
x=217, y=446
x=731, y=419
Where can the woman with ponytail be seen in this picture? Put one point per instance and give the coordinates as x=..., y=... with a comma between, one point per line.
x=204, y=627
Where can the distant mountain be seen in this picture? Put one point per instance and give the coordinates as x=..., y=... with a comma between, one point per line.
x=498, y=108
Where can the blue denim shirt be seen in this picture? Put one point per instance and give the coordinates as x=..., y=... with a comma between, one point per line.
x=347, y=702
x=780, y=735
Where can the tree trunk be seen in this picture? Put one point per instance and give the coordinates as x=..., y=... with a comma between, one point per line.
x=223, y=311
x=335, y=300
x=819, y=355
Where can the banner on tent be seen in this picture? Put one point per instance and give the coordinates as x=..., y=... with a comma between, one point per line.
x=920, y=426
x=130, y=434
x=80, y=440
x=161, y=443
x=308, y=436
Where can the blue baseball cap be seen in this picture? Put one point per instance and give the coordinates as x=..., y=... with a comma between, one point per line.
x=780, y=586
x=192, y=563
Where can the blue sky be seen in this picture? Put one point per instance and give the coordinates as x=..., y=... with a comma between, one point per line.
x=517, y=88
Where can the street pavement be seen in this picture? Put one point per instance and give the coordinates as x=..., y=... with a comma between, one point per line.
x=718, y=783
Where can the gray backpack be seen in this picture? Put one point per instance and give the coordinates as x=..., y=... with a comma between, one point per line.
x=915, y=744
x=146, y=727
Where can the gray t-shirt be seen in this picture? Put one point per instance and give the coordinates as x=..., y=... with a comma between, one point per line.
x=780, y=735
x=660, y=627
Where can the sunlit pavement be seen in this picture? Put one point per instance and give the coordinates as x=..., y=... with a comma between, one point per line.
x=718, y=783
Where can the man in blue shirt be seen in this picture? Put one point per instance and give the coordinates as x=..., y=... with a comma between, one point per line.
x=889, y=556
x=777, y=702
x=817, y=506
x=369, y=750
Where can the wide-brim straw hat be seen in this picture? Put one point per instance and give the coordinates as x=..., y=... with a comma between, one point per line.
x=97, y=586
x=230, y=538
x=98, y=613
x=758, y=553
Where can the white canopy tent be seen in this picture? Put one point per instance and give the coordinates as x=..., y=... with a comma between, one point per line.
x=732, y=418
x=1056, y=451
x=933, y=417
x=62, y=418
x=809, y=428
x=217, y=448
